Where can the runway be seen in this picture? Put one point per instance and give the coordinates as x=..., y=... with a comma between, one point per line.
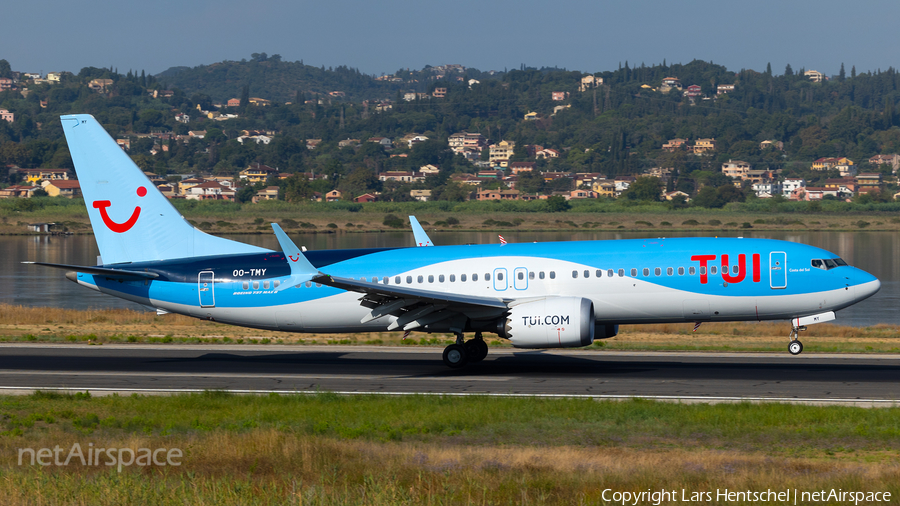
x=864, y=380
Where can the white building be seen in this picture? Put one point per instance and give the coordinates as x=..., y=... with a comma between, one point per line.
x=791, y=184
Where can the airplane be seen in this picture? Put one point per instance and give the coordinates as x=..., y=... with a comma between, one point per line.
x=536, y=295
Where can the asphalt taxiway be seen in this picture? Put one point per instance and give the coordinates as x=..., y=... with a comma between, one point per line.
x=864, y=380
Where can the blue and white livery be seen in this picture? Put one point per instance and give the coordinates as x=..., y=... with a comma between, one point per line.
x=537, y=295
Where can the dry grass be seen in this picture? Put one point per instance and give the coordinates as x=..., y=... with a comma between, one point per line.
x=18, y=323
x=271, y=467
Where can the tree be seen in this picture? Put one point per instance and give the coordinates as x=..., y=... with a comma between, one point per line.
x=295, y=189
x=842, y=75
x=558, y=204
x=644, y=188
x=5, y=69
x=788, y=71
x=245, y=96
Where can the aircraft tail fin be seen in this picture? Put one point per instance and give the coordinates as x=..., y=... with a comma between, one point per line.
x=132, y=220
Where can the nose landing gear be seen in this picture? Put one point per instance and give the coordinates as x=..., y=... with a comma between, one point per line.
x=795, y=346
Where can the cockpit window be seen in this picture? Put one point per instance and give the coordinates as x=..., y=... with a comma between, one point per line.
x=827, y=263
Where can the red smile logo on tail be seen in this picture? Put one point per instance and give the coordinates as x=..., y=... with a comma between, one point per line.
x=119, y=227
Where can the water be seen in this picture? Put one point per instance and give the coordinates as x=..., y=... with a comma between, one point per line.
x=29, y=285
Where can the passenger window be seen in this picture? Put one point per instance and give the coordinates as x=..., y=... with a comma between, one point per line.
x=431, y=278
x=702, y=270
x=265, y=285
x=386, y=280
x=474, y=277
x=246, y=285
x=396, y=280
x=713, y=270
x=441, y=278
x=621, y=273
x=609, y=273
x=521, y=275
x=408, y=280
x=363, y=279
x=256, y=285
x=487, y=276
x=633, y=273
x=646, y=271
x=420, y=279
x=452, y=278
x=541, y=275
x=734, y=269
x=318, y=285
x=692, y=271
x=681, y=271
x=462, y=277
x=587, y=274
x=309, y=284
x=276, y=283
x=552, y=274
x=499, y=276
x=599, y=273
x=530, y=274
x=669, y=271
x=657, y=271
x=574, y=274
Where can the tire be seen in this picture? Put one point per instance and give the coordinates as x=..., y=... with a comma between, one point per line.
x=455, y=356
x=796, y=347
x=477, y=350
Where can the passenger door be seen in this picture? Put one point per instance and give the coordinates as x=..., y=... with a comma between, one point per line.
x=205, y=285
x=778, y=269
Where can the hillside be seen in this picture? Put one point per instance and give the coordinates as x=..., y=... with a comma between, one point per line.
x=274, y=79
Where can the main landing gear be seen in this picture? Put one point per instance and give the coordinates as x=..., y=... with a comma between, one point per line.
x=462, y=352
x=795, y=346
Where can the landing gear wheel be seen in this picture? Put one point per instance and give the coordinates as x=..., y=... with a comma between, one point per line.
x=796, y=347
x=455, y=356
x=476, y=349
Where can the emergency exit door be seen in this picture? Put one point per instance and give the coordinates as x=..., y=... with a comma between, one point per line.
x=205, y=284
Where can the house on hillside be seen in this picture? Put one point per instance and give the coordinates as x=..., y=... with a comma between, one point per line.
x=68, y=188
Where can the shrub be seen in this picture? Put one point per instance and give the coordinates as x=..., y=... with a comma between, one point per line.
x=452, y=221
x=690, y=222
x=746, y=224
x=331, y=225
x=393, y=221
x=715, y=223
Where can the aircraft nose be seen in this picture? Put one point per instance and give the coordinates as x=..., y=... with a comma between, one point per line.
x=867, y=286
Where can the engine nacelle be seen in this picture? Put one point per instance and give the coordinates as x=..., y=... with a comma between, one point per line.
x=554, y=322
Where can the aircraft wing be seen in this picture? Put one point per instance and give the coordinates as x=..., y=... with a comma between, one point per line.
x=103, y=271
x=422, y=238
x=415, y=308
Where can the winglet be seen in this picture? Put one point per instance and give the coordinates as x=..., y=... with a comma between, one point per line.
x=422, y=238
x=301, y=269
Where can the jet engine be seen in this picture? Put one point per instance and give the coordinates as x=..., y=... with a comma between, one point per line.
x=554, y=322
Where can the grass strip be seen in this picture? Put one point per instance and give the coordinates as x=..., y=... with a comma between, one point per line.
x=330, y=449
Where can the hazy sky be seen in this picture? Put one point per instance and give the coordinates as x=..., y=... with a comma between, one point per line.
x=383, y=36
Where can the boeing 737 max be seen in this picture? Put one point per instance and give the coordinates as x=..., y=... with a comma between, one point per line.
x=540, y=295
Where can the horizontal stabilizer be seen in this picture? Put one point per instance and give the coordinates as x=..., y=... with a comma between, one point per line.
x=103, y=271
